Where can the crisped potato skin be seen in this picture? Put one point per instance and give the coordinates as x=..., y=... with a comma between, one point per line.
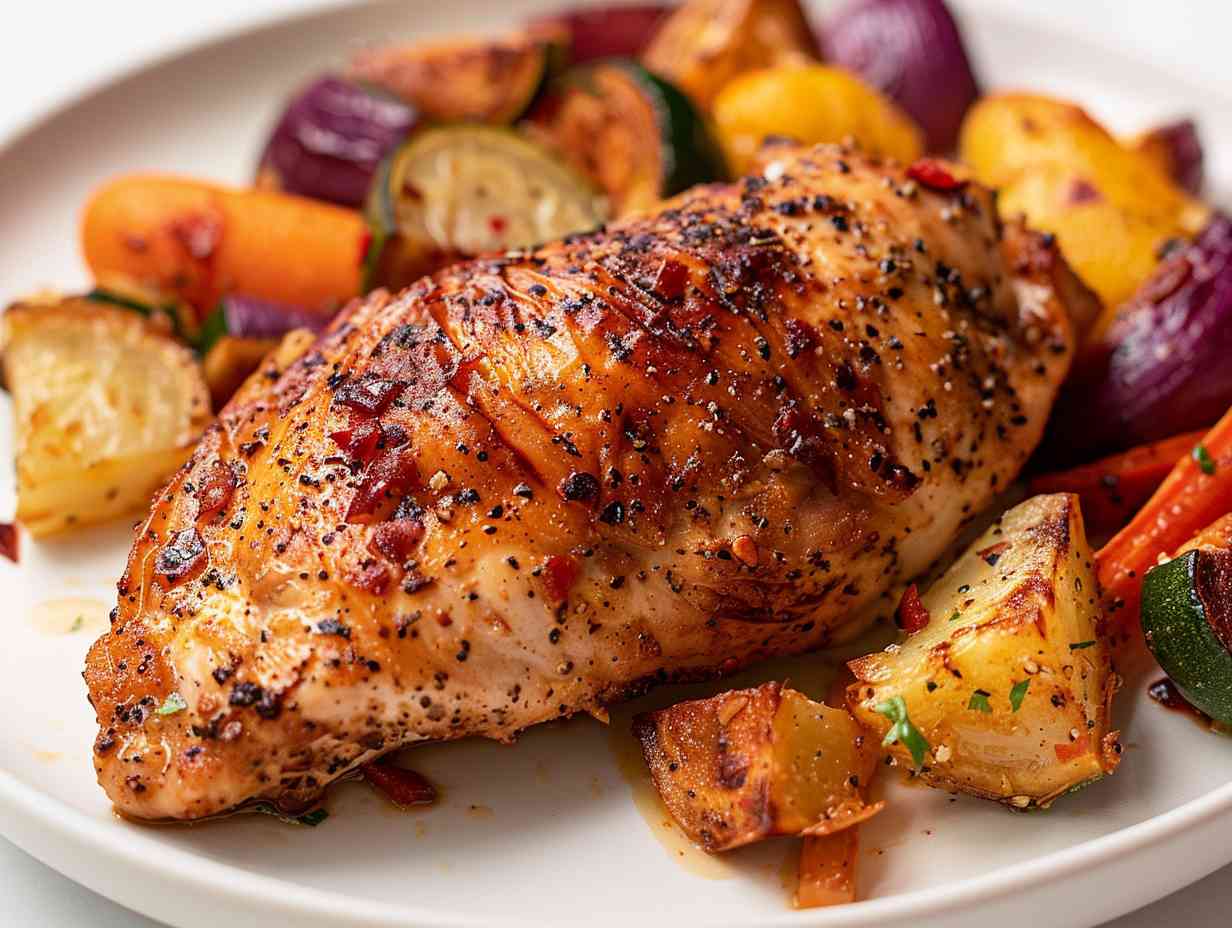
x=751, y=764
x=1021, y=605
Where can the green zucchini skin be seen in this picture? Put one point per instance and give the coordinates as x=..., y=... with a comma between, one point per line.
x=1177, y=627
x=637, y=136
x=690, y=154
x=404, y=244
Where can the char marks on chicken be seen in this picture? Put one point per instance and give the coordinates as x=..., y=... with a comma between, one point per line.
x=530, y=485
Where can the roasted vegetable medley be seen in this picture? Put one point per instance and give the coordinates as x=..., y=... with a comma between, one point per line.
x=413, y=155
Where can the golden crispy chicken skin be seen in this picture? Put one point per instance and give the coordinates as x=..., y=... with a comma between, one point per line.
x=530, y=485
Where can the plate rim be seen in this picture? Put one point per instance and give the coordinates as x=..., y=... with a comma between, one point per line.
x=24, y=807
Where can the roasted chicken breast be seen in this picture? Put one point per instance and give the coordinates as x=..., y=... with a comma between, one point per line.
x=530, y=485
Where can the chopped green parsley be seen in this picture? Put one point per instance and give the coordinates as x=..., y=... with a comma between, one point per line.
x=1018, y=693
x=979, y=701
x=1080, y=645
x=902, y=730
x=1204, y=459
x=172, y=704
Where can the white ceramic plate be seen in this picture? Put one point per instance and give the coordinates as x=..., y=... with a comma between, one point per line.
x=560, y=828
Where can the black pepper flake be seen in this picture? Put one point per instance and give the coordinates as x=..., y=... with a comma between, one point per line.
x=246, y=694
x=579, y=486
x=524, y=491
x=333, y=627
x=613, y=513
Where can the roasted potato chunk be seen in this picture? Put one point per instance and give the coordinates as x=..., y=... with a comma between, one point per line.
x=705, y=43
x=810, y=103
x=1008, y=683
x=106, y=407
x=1113, y=208
x=751, y=764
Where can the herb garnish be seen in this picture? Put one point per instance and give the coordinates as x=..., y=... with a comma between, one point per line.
x=172, y=704
x=979, y=701
x=1204, y=459
x=1079, y=645
x=956, y=616
x=78, y=624
x=1018, y=693
x=902, y=730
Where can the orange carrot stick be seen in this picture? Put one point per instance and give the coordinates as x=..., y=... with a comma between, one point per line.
x=197, y=241
x=1196, y=493
x=1112, y=489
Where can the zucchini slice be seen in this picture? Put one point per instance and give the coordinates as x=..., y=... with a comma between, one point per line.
x=466, y=190
x=1187, y=622
x=491, y=81
x=634, y=134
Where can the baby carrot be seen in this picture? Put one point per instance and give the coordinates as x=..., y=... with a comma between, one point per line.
x=1195, y=493
x=197, y=241
x=1112, y=489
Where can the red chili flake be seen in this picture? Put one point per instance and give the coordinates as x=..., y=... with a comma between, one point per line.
x=365, y=243
x=182, y=557
x=498, y=224
x=215, y=490
x=360, y=440
x=372, y=576
x=670, y=279
x=560, y=571
x=198, y=233
x=368, y=394
x=397, y=540
x=911, y=615
x=393, y=474
x=8, y=541
x=1083, y=191
x=402, y=787
x=1072, y=750
x=992, y=553
x=935, y=175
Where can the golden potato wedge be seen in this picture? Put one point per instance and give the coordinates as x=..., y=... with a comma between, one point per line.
x=106, y=406
x=1008, y=684
x=1112, y=207
x=751, y=764
x=706, y=43
x=810, y=103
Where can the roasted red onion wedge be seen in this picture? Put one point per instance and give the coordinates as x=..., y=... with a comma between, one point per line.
x=330, y=139
x=912, y=51
x=1162, y=368
x=1177, y=147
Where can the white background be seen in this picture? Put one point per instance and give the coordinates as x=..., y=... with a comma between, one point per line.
x=55, y=47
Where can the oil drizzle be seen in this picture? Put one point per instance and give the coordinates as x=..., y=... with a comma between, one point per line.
x=70, y=615
x=628, y=756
